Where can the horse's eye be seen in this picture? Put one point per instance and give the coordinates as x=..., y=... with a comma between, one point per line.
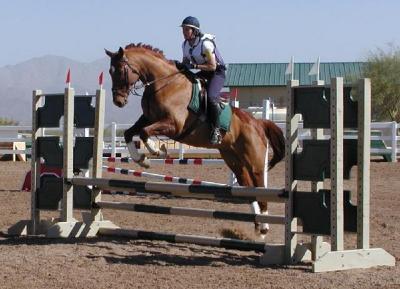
x=112, y=70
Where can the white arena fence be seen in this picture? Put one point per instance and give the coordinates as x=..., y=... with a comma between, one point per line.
x=386, y=132
x=18, y=138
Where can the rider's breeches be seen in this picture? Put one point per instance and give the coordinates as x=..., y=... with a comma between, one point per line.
x=215, y=82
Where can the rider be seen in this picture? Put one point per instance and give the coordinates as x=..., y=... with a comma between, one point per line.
x=200, y=52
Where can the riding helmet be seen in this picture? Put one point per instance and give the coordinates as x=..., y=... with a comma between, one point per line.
x=191, y=21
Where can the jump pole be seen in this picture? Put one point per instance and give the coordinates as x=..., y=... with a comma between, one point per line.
x=191, y=239
x=192, y=212
x=186, y=190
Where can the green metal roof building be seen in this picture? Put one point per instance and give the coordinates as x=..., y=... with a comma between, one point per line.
x=254, y=82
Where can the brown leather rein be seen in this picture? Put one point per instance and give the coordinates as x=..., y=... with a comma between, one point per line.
x=132, y=89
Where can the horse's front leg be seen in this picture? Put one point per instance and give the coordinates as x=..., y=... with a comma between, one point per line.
x=163, y=127
x=133, y=151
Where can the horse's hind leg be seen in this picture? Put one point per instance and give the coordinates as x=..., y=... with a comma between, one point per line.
x=245, y=178
x=254, y=158
x=237, y=167
x=257, y=173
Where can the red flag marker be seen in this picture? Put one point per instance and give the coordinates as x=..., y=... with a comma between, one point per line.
x=101, y=79
x=68, y=79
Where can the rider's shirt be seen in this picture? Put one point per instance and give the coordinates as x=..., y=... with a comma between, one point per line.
x=197, y=53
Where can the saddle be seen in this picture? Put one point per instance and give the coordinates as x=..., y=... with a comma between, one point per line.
x=198, y=105
x=199, y=88
x=195, y=79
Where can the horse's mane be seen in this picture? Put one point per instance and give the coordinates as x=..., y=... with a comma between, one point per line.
x=157, y=52
x=160, y=54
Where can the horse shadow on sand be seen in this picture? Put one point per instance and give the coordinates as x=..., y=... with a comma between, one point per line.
x=117, y=250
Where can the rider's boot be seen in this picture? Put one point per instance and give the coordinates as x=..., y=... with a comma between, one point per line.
x=213, y=111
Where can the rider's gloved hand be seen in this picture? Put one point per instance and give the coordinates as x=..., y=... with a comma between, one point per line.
x=186, y=65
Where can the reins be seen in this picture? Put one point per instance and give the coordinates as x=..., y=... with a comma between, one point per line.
x=134, y=88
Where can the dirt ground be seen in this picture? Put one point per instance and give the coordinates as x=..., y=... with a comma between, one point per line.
x=120, y=263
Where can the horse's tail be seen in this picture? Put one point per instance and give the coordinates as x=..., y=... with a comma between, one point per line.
x=276, y=140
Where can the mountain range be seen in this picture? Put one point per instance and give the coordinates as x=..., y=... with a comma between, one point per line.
x=48, y=73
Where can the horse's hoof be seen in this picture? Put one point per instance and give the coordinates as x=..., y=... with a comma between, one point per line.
x=263, y=236
x=261, y=230
x=163, y=151
x=143, y=162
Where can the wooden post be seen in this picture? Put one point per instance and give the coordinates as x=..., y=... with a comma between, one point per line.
x=337, y=218
x=317, y=241
x=68, y=155
x=292, y=123
x=363, y=161
x=35, y=164
x=394, y=142
x=98, y=150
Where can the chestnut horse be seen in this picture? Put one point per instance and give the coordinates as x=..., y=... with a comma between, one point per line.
x=167, y=93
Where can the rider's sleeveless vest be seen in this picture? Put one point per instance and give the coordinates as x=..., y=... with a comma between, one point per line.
x=196, y=52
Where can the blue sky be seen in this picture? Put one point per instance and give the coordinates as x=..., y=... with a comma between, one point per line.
x=246, y=30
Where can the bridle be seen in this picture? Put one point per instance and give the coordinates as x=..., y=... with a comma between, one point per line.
x=132, y=89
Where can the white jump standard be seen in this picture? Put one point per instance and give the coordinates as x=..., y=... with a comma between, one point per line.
x=324, y=256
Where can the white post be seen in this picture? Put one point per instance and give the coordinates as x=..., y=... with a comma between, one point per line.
x=265, y=108
x=35, y=163
x=235, y=103
x=394, y=141
x=98, y=150
x=68, y=155
x=292, y=125
x=363, y=163
x=337, y=214
x=317, y=134
x=113, y=139
x=42, y=130
x=292, y=69
x=181, y=151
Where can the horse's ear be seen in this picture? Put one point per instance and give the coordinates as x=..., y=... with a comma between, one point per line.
x=121, y=52
x=109, y=53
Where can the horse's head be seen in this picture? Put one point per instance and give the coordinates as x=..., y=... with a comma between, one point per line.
x=123, y=75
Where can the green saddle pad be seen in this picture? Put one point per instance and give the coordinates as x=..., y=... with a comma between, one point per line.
x=195, y=105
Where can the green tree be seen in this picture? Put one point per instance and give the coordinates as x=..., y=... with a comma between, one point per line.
x=6, y=121
x=383, y=68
